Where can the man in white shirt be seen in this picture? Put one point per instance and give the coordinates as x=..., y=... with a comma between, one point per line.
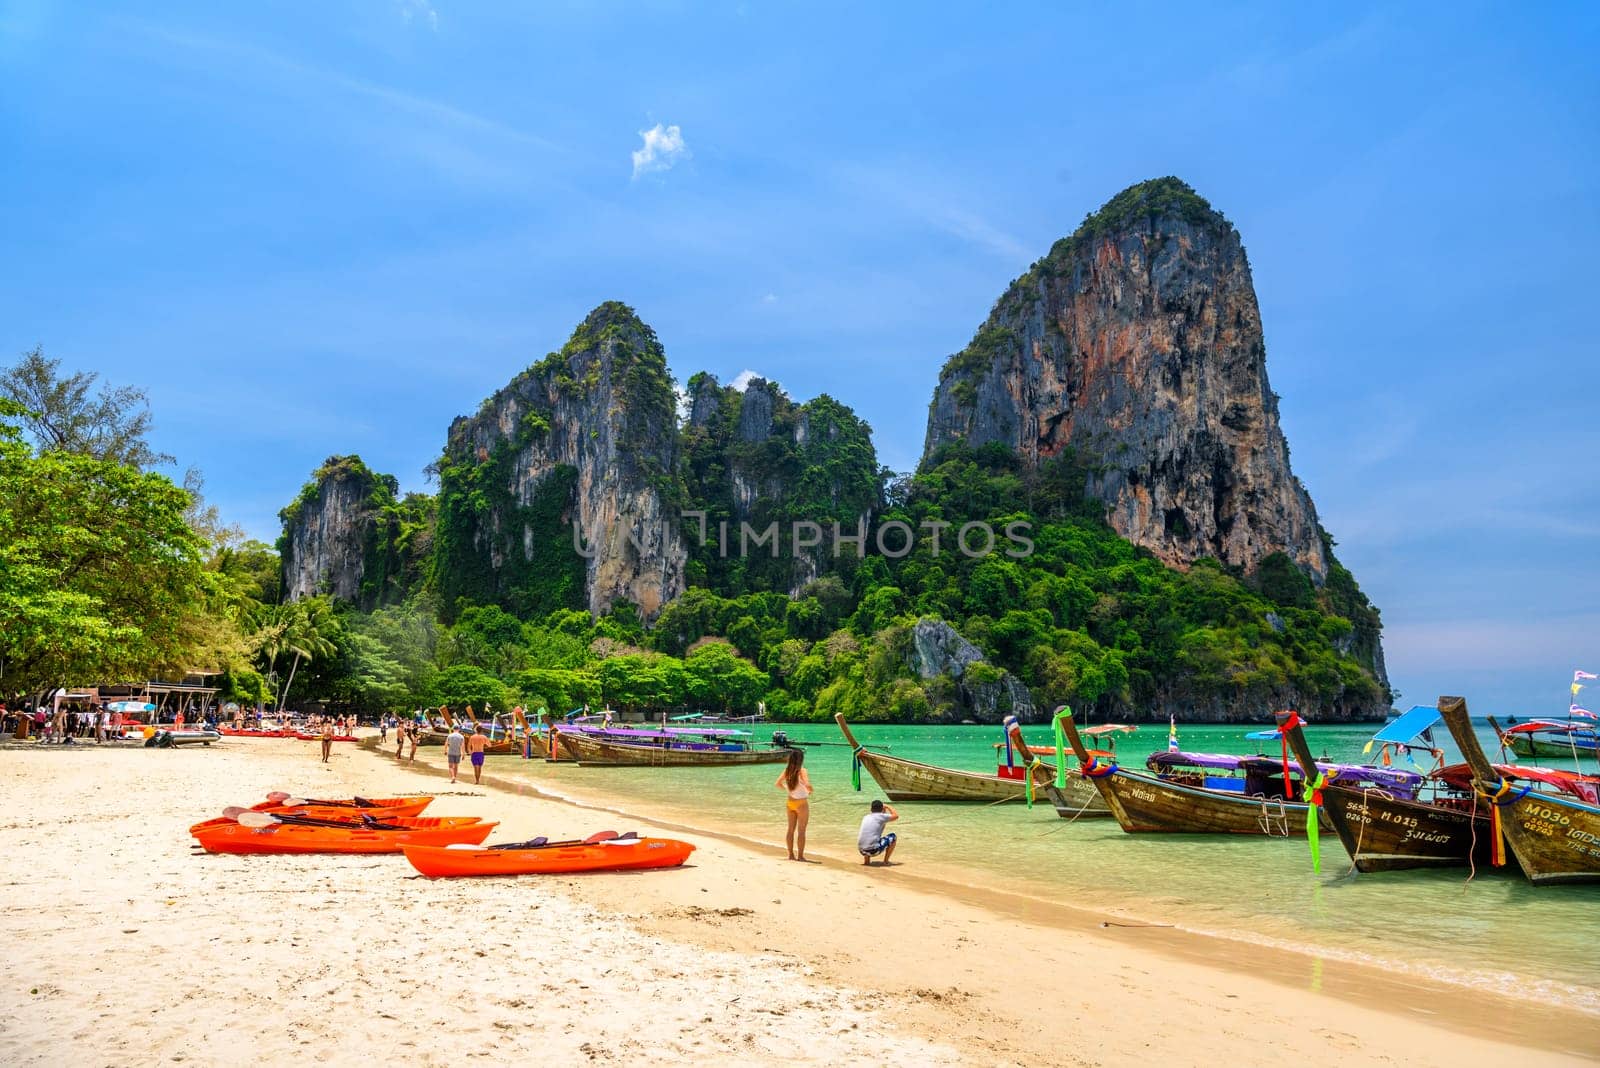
x=454, y=744
x=873, y=840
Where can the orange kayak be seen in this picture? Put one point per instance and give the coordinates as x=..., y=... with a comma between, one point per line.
x=628, y=854
x=228, y=836
x=352, y=808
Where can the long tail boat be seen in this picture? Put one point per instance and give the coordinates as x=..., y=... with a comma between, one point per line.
x=502, y=740
x=593, y=750
x=911, y=780
x=1544, y=737
x=1072, y=796
x=1556, y=839
x=1147, y=804
x=1384, y=832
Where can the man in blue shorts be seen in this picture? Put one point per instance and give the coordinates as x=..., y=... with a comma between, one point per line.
x=872, y=840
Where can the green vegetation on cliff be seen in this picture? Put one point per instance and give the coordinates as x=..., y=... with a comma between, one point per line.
x=396, y=532
x=758, y=458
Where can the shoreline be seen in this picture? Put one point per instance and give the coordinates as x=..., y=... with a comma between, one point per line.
x=1470, y=1011
x=737, y=954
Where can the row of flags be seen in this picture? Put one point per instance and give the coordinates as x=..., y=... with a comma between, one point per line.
x=1578, y=678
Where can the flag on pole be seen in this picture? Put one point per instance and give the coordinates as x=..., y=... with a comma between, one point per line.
x=1576, y=675
x=1172, y=734
x=1584, y=712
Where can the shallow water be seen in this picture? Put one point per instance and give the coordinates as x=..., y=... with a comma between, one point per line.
x=1494, y=931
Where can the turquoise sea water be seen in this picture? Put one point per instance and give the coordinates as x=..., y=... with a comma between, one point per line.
x=1495, y=931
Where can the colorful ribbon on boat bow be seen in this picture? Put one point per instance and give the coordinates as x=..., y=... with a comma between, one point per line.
x=855, y=768
x=1061, y=747
x=1313, y=797
x=1095, y=769
x=1033, y=767
x=1503, y=795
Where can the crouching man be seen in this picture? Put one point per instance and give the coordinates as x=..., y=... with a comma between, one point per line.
x=873, y=839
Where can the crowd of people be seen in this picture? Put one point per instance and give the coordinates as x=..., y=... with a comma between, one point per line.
x=64, y=724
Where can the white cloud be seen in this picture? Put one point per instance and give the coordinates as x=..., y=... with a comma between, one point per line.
x=663, y=147
x=741, y=381
x=419, y=10
x=770, y=298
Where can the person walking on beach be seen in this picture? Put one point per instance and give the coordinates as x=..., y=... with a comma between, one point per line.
x=797, y=784
x=327, y=740
x=413, y=735
x=872, y=840
x=475, y=747
x=399, y=741
x=454, y=743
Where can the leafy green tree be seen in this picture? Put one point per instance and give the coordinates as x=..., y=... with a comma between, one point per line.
x=65, y=413
x=719, y=679
x=310, y=630
x=101, y=578
x=463, y=684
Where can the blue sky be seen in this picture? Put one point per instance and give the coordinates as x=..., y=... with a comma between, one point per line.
x=317, y=229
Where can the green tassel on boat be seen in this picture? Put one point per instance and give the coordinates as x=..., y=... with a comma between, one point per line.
x=1061, y=748
x=855, y=770
x=1313, y=797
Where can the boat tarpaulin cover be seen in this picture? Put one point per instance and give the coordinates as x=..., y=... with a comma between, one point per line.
x=1412, y=724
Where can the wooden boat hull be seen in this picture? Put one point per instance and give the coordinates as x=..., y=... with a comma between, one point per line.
x=909, y=780
x=1522, y=745
x=1387, y=834
x=1079, y=799
x=1144, y=804
x=1555, y=839
x=596, y=752
x=632, y=855
x=228, y=836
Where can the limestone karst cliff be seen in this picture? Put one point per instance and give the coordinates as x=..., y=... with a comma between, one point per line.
x=753, y=457
x=586, y=436
x=349, y=534
x=1137, y=342
x=1115, y=404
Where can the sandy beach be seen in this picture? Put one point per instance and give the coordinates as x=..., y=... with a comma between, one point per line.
x=125, y=946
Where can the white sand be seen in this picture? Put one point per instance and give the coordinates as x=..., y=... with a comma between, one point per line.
x=121, y=947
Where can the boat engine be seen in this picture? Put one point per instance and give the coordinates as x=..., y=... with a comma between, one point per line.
x=780, y=740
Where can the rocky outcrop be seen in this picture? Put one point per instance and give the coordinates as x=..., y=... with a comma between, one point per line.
x=1137, y=344
x=585, y=438
x=331, y=530
x=755, y=457
x=982, y=691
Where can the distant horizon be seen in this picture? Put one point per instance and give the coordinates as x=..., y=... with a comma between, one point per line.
x=332, y=236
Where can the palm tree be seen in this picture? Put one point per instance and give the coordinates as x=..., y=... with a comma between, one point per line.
x=309, y=633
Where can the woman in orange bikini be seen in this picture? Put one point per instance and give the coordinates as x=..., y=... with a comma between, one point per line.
x=797, y=784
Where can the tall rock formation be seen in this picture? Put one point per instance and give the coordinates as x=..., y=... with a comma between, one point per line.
x=1137, y=343
x=587, y=436
x=754, y=457
x=350, y=535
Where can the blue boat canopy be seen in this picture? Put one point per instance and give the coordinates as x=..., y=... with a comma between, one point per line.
x=1265, y=736
x=1412, y=724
